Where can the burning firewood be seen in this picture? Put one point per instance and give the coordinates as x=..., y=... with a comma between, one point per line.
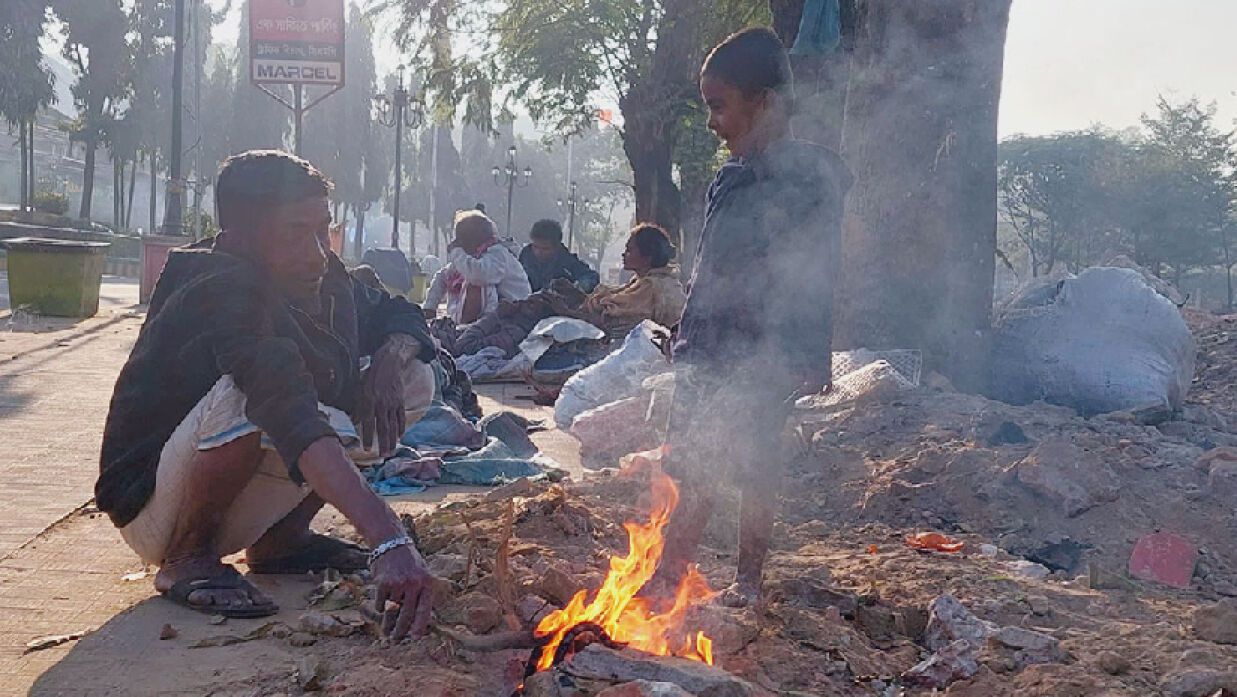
x=575, y=640
x=615, y=610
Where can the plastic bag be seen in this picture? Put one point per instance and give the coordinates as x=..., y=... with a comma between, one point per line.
x=1100, y=342
x=617, y=376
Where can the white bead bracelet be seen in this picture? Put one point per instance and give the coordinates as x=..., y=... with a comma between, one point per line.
x=388, y=546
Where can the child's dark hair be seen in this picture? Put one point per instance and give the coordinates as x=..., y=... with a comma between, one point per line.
x=547, y=230
x=753, y=60
x=653, y=243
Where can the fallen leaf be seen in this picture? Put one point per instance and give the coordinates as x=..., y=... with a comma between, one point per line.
x=48, y=642
x=934, y=541
x=231, y=639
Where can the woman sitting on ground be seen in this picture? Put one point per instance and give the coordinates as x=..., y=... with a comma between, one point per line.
x=655, y=293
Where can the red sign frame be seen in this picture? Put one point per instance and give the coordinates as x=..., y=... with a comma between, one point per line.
x=296, y=42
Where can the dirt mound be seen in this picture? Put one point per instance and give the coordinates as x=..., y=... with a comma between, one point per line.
x=1215, y=373
x=1038, y=481
x=847, y=601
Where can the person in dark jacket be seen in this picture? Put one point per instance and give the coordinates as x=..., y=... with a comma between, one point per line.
x=224, y=431
x=545, y=259
x=756, y=330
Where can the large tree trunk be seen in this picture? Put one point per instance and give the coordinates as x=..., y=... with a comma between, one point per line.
x=132, y=186
x=358, y=246
x=30, y=189
x=26, y=194
x=919, y=133
x=694, y=190
x=154, y=191
x=658, y=199
x=118, y=193
x=92, y=146
x=652, y=109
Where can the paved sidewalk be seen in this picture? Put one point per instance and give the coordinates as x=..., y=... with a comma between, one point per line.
x=56, y=379
x=67, y=580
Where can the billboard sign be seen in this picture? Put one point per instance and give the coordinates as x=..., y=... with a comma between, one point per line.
x=296, y=42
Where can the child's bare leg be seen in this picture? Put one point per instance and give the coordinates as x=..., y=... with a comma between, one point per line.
x=757, y=509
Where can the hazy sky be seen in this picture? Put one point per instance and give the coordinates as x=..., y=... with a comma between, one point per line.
x=1072, y=63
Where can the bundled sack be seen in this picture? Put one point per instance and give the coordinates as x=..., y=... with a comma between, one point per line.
x=627, y=425
x=617, y=376
x=1100, y=342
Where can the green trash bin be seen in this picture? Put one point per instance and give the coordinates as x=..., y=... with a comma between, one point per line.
x=60, y=278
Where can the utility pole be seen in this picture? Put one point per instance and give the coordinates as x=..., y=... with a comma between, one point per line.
x=434, y=187
x=198, y=185
x=509, y=174
x=173, y=213
x=573, y=200
x=298, y=109
x=399, y=110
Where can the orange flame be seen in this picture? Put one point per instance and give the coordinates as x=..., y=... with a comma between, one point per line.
x=626, y=618
x=704, y=646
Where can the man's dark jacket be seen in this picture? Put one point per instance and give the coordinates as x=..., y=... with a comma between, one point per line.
x=563, y=265
x=215, y=314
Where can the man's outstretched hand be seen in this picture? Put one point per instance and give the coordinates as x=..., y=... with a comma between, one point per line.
x=401, y=577
x=380, y=406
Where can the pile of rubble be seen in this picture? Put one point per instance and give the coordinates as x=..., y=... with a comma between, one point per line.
x=1098, y=557
x=1038, y=481
x=850, y=608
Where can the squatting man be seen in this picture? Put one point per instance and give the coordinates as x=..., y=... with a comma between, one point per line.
x=229, y=422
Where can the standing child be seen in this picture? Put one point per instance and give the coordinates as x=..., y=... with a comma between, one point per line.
x=757, y=327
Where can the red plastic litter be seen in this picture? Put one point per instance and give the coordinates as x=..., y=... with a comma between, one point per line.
x=1164, y=557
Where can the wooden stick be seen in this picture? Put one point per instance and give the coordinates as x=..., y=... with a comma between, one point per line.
x=502, y=569
x=472, y=549
x=501, y=641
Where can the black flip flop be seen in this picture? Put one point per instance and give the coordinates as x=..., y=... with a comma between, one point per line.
x=229, y=579
x=321, y=553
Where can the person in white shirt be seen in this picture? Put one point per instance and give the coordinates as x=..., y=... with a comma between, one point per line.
x=479, y=273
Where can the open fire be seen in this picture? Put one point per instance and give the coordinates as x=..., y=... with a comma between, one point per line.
x=624, y=618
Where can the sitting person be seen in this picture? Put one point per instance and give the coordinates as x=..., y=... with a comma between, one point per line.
x=224, y=429
x=655, y=293
x=546, y=259
x=479, y=273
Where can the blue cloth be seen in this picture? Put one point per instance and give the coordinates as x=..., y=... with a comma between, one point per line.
x=492, y=465
x=501, y=451
x=443, y=428
x=820, y=28
x=394, y=486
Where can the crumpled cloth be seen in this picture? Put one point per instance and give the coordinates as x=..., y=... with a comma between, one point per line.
x=443, y=428
x=489, y=362
x=445, y=448
x=820, y=28
x=405, y=472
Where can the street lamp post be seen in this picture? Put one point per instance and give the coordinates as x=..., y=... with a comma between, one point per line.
x=510, y=175
x=399, y=110
x=573, y=200
x=173, y=213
